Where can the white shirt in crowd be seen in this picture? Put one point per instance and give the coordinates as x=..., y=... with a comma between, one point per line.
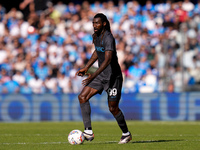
x=36, y=85
x=19, y=78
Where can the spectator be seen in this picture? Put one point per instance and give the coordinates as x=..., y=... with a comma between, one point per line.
x=149, y=83
x=51, y=85
x=25, y=89
x=180, y=13
x=66, y=65
x=64, y=83
x=195, y=71
x=11, y=86
x=4, y=76
x=55, y=59
x=180, y=79
x=19, y=78
x=1, y=87
x=135, y=72
x=148, y=6
x=170, y=87
x=36, y=85
x=28, y=72
x=2, y=10
x=3, y=53
x=2, y=26
x=168, y=22
x=20, y=63
x=188, y=55
x=41, y=70
x=60, y=7
x=197, y=7
x=187, y=5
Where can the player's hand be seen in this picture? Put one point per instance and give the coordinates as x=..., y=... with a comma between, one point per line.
x=88, y=79
x=81, y=72
x=28, y=1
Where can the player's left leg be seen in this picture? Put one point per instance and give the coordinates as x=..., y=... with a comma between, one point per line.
x=114, y=96
x=117, y=113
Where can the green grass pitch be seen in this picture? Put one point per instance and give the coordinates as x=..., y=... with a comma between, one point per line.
x=153, y=135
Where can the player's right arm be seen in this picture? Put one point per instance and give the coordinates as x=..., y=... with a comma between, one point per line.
x=23, y=4
x=91, y=61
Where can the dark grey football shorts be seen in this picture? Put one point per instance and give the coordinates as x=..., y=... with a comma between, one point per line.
x=112, y=87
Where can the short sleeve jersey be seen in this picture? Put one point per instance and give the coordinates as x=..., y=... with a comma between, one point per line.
x=107, y=43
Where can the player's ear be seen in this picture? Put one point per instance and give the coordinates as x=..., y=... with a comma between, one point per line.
x=104, y=23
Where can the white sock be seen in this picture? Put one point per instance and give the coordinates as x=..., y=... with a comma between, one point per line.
x=88, y=131
x=125, y=134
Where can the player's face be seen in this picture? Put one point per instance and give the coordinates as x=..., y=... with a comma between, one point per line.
x=97, y=25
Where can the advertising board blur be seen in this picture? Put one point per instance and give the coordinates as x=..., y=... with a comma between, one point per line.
x=136, y=106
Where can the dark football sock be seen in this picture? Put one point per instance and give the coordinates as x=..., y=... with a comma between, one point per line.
x=86, y=112
x=121, y=122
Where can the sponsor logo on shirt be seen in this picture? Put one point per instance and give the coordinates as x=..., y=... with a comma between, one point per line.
x=100, y=49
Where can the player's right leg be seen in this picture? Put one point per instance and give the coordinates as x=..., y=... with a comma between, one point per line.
x=84, y=97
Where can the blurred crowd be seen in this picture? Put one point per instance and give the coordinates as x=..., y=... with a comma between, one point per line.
x=42, y=45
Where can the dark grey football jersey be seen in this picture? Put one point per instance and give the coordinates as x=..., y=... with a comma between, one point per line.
x=107, y=43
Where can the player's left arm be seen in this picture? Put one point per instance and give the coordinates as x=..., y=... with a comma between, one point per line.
x=106, y=62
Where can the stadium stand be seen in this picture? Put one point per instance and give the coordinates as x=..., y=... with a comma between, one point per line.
x=158, y=45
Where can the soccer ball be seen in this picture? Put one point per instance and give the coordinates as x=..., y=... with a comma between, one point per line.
x=76, y=137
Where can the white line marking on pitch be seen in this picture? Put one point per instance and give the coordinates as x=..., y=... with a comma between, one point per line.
x=33, y=135
x=23, y=143
x=44, y=143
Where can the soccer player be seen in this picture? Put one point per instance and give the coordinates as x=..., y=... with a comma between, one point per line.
x=107, y=77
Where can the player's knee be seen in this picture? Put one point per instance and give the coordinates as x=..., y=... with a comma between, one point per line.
x=113, y=110
x=82, y=98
